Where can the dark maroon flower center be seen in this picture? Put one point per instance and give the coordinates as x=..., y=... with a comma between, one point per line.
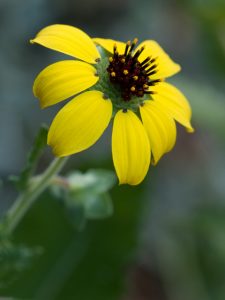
x=132, y=76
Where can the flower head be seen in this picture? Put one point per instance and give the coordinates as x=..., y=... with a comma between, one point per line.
x=116, y=80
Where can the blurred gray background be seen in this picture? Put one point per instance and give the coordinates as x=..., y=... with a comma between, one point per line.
x=179, y=230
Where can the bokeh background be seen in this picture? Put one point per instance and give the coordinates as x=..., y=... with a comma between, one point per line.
x=166, y=238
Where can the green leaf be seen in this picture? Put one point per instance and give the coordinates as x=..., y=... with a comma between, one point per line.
x=14, y=259
x=98, y=255
x=85, y=196
x=90, y=191
x=76, y=214
x=98, y=206
x=22, y=180
x=95, y=181
x=89, y=206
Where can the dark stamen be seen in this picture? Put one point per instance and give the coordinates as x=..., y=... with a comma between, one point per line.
x=150, y=92
x=115, y=50
x=146, y=60
x=129, y=74
x=132, y=46
x=127, y=47
x=145, y=66
x=153, y=60
x=151, y=73
x=151, y=68
x=153, y=82
x=138, y=53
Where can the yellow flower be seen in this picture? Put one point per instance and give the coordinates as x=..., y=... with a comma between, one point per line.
x=123, y=82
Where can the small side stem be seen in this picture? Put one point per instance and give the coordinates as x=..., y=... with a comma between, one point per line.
x=23, y=203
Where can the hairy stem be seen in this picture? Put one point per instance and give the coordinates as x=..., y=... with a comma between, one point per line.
x=24, y=201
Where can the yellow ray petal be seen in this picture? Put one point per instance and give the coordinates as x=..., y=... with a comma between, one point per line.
x=166, y=67
x=69, y=40
x=130, y=148
x=160, y=127
x=80, y=123
x=108, y=45
x=174, y=102
x=62, y=80
x=157, y=138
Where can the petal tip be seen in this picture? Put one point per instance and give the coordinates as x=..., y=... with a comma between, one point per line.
x=190, y=129
x=179, y=67
x=121, y=182
x=69, y=40
x=42, y=105
x=154, y=161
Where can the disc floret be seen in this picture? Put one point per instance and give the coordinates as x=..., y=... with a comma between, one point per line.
x=132, y=76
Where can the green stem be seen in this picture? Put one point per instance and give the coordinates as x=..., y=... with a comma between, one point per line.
x=23, y=203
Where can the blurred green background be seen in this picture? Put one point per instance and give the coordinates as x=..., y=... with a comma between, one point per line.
x=166, y=238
